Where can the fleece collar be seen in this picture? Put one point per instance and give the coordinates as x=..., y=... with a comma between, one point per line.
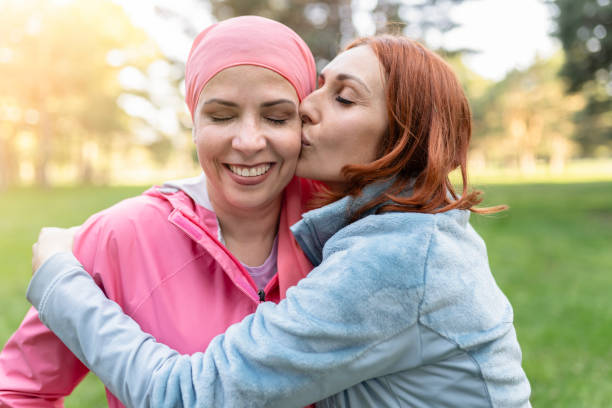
x=317, y=226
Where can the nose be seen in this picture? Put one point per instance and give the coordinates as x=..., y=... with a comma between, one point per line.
x=308, y=111
x=250, y=138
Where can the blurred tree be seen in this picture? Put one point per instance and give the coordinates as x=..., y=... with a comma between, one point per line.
x=58, y=82
x=476, y=88
x=418, y=19
x=526, y=116
x=327, y=25
x=584, y=28
x=324, y=24
x=8, y=162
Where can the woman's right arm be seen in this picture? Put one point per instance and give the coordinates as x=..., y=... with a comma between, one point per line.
x=343, y=324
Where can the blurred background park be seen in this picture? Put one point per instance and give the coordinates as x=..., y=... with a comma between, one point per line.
x=92, y=111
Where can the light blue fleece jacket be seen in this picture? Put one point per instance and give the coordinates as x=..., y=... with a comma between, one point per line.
x=401, y=311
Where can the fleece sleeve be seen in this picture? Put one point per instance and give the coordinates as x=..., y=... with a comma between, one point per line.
x=345, y=323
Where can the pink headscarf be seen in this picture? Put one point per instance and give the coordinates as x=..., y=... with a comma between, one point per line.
x=248, y=40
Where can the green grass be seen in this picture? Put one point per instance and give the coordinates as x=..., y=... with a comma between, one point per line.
x=23, y=213
x=550, y=253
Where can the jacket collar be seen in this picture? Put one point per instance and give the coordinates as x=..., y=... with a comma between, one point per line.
x=317, y=226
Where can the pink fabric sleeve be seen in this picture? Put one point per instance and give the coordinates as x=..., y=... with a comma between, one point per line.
x=36, y=369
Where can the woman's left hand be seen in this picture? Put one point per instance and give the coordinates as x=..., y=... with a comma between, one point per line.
x=51, y=240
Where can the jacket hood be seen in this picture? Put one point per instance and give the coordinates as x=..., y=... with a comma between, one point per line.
x=194, y=187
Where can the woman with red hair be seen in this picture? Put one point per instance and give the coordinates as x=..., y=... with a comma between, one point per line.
x=401, y=308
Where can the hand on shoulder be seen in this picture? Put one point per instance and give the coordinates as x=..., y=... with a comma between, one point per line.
x=51, y=240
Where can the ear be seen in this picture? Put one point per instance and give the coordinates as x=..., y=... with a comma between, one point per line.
x=193, y=134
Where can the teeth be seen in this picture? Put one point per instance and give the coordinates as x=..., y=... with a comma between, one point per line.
x=249, y=171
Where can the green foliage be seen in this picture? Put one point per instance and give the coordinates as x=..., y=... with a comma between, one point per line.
x=585, y=30
x=527, y=116
x=549, y=253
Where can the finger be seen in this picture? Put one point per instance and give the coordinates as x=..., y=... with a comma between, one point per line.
x=44, y=231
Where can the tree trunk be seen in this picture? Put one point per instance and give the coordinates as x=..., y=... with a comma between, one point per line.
x=44, y=149
x=9, y=172
x=559, y=151
x=522, y=139
x=87, y=151
x=527, y=162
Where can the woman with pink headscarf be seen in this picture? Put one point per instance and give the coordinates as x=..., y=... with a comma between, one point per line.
x=188, y=259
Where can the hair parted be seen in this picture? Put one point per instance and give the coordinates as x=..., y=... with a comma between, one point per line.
x=428, y=134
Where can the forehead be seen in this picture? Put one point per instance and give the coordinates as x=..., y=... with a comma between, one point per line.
x=241, y=78
x=359, y=61
x=247, y=84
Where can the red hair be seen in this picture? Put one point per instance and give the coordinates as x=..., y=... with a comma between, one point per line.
x=427, y=136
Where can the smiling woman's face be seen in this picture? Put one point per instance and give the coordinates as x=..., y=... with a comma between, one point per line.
x=345, y=118
x=247, y=134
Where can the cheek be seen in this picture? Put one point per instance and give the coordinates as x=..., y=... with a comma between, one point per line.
x=378, y=133
x=210, y=136
x=208, y=145
x=202, y=149
x=289, y=142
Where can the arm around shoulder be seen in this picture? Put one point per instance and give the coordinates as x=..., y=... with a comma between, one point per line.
x=339, y=326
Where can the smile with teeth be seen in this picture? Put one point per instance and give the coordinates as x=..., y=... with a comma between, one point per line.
x=249, y=171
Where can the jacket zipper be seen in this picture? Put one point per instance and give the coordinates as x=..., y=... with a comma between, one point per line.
x=182, y=221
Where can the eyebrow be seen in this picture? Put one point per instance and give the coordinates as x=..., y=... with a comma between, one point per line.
x=277, y=102
x=235, y=105
x=349, y=77
x=221, y=102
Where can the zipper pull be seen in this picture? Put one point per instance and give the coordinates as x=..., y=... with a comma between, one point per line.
x=262, y=295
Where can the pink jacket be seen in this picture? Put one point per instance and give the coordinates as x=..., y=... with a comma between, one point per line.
x=158, y=256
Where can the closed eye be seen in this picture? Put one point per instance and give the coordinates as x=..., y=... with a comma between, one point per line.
x=221, y=118
x=343, y=101
x=277, y=121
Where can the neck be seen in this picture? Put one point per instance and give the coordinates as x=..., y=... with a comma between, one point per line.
x=248, y=233
x=336, y=185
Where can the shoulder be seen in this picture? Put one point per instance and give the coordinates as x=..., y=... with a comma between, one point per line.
x=462, y=301
x=410, y=241
x=142, y=208
x=391, y=245
x=143, y=215
x=381, y=231
x=385, y=231
x=455, y=240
